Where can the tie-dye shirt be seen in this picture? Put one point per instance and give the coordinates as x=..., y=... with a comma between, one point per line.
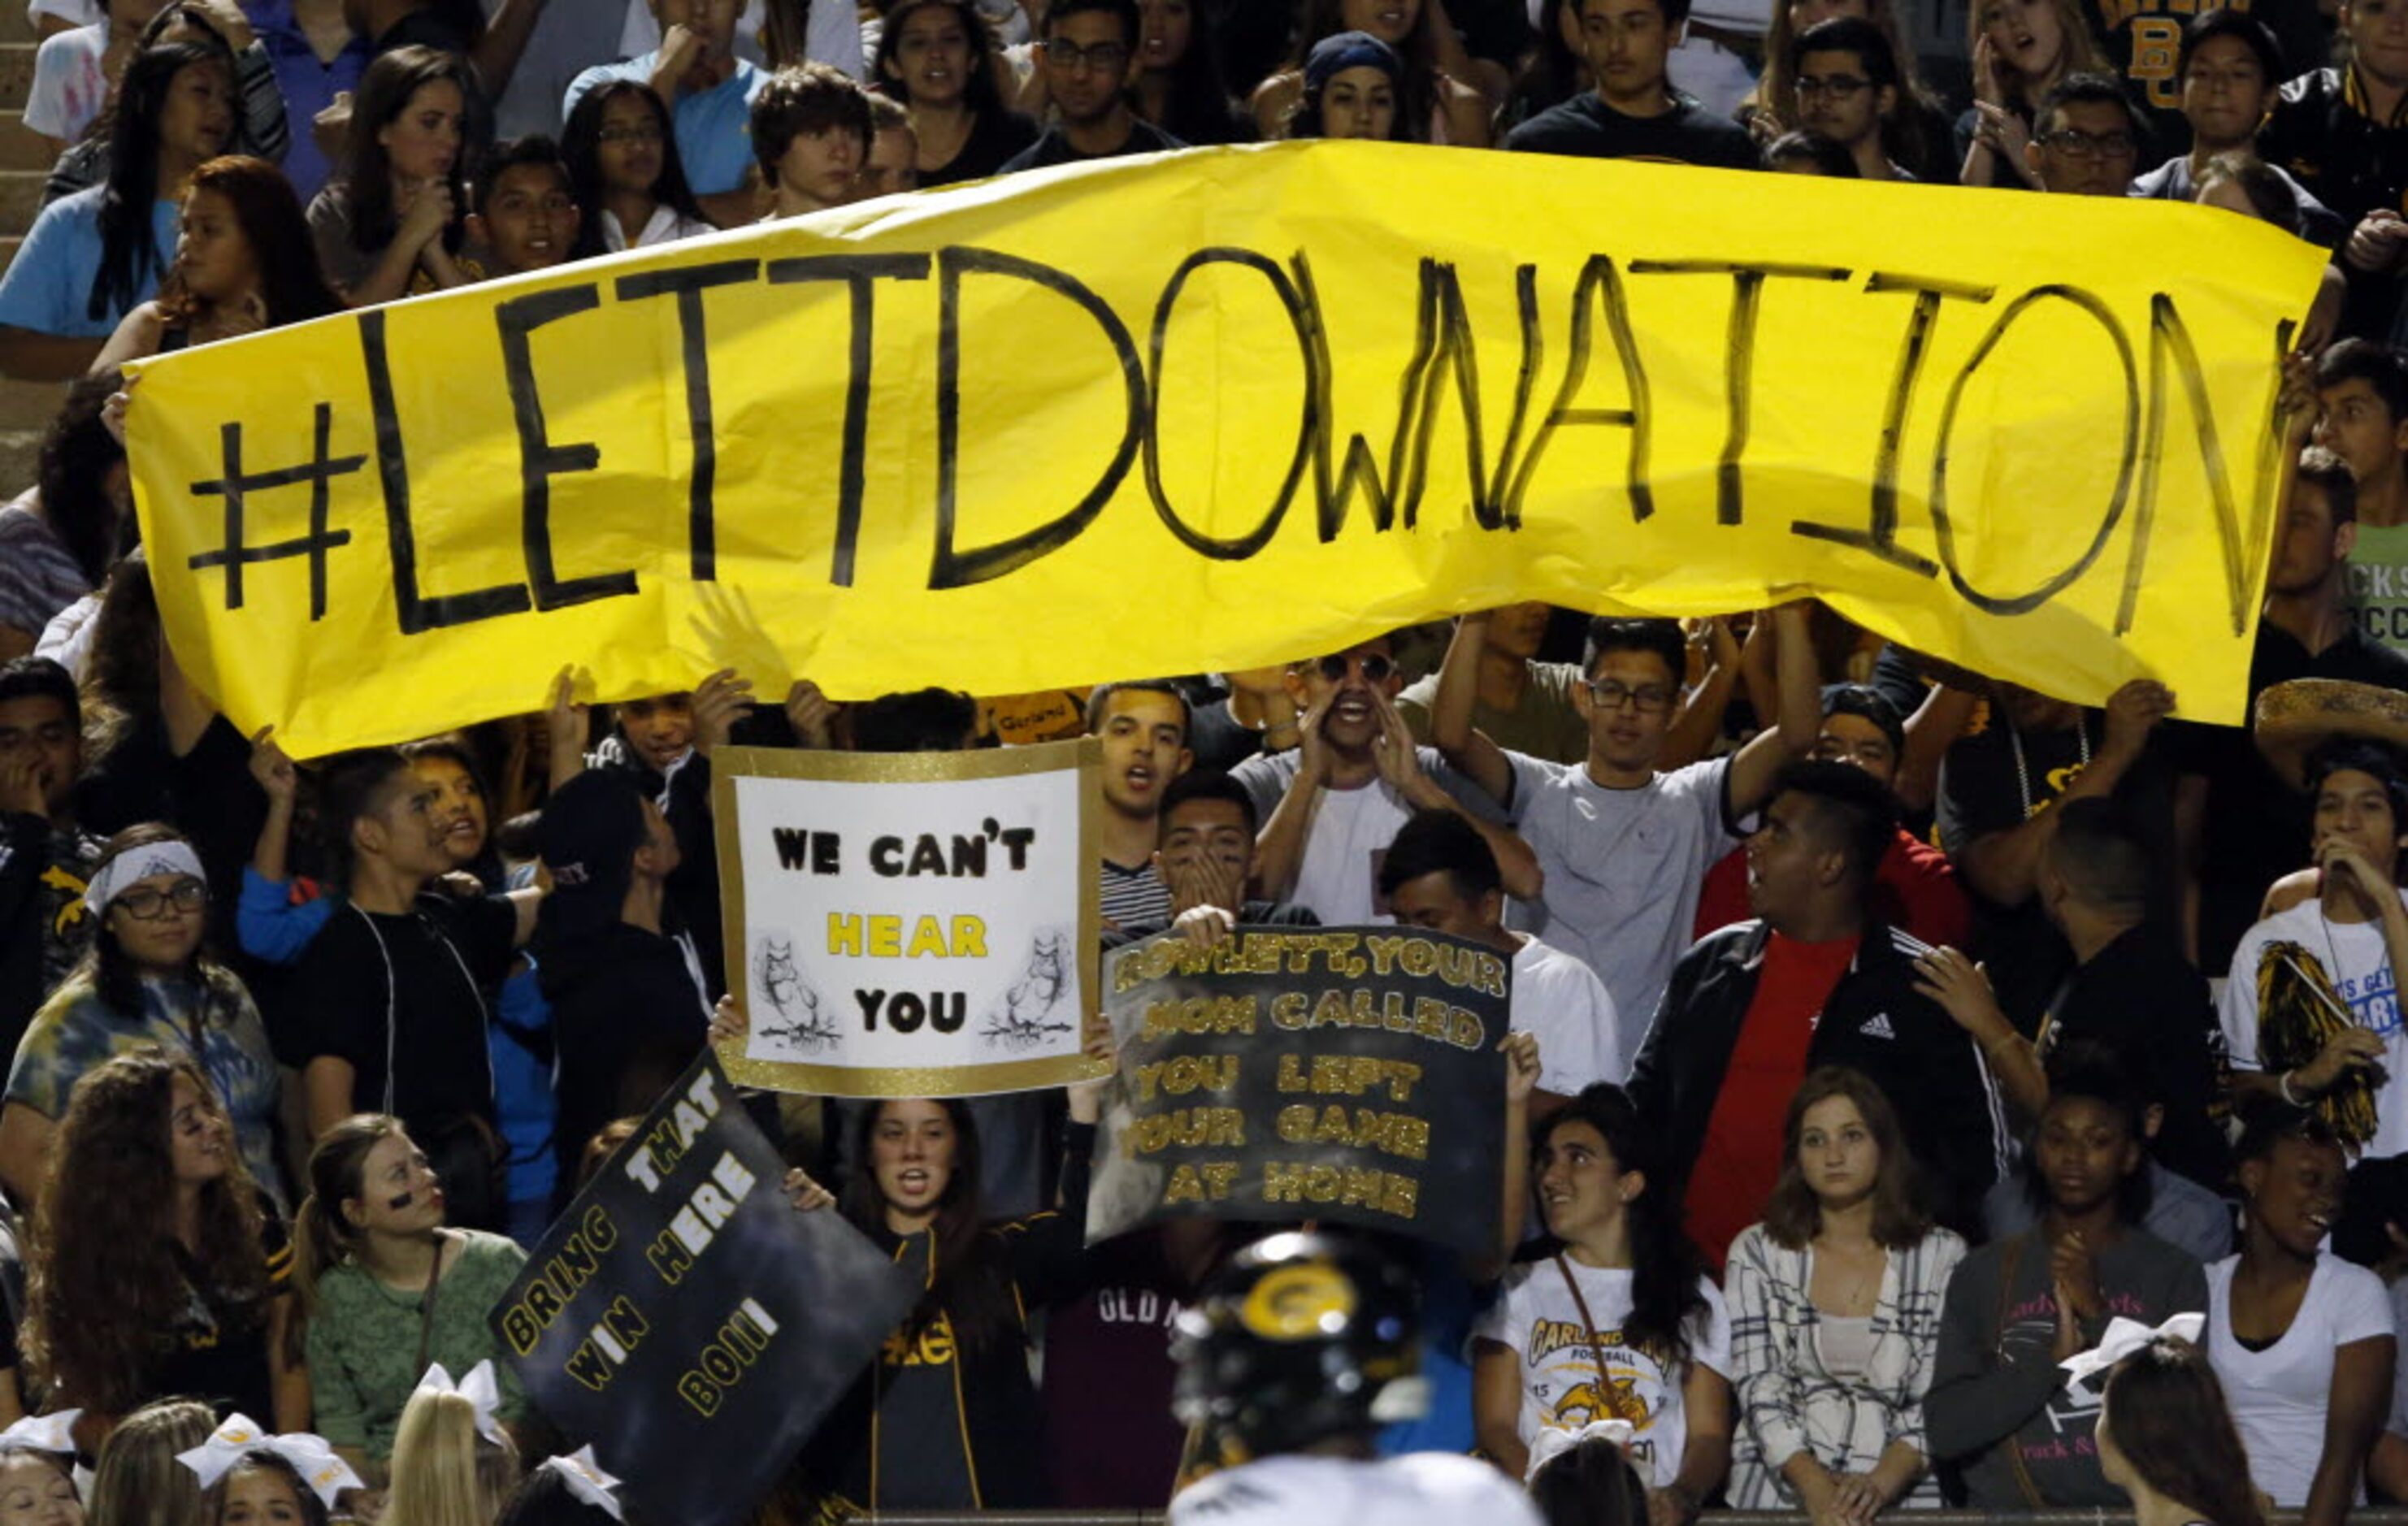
x=75, y=1030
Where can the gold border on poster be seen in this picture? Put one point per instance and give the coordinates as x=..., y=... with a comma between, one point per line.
x=1083, y=754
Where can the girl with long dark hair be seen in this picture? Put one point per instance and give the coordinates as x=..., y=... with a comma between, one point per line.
x=392, y=226
x=261, y=128
x=92, y=257
x=2166, y=1439
x=146, y=980
x=962, y=1354
x=1835, y=1313
x=243, y=261
x=1179, y=89
x=154, y=1269
x=2303, y=1340
x=1999, y=1405
x=623, y=165
x=1619, y=1322
x=1442, y=99
x=1589, y=1483
x=939, y=59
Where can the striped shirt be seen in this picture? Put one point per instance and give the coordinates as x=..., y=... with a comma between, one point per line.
x=38, y=576
x=1134, y=897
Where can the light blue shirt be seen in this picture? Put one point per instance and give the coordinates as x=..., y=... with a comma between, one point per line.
x=48, y=284
x=714, y=127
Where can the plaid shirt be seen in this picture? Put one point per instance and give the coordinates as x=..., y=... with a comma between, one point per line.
x=1788, y=1400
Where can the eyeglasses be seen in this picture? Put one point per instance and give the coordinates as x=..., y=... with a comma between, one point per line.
x=642, y=132
x=1104, y=57
x=1647, y=699
x=1840, y=87
x=2074, y=143
x=1375, y=668
x=144, y=904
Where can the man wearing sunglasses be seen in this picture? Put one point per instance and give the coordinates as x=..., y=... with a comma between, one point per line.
x=1333, y=803
x=1623, y=848
x=1089, y=62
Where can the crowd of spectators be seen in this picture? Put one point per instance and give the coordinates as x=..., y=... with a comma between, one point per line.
x=1882, y=1033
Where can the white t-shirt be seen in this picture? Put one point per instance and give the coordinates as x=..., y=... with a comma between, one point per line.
x=831, y=35
x=1421, y=1489
x=73, y=12
x=2279, y=1396
x=665, y=226
x=1624, y=868
x=1536, y=1318
x=68, y=88
x=2363, y=980
x=1349, y=836
x=1562, y=1000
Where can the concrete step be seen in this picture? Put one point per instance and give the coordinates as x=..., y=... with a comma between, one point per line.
x=20, y=199
x=27, y=408
x=20, y=454
x=20, y=147
x=16, y=26
x=16, y=72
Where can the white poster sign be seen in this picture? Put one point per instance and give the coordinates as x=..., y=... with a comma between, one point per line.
x=911, y=924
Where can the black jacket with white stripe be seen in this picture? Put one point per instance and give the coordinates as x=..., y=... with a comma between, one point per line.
x=1933, y=1073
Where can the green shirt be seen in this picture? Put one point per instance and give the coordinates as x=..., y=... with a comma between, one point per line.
x=1544, y=725
x=364, y=1340
x=2378, y=583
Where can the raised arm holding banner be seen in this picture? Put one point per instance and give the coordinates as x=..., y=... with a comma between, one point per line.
x=988, y=435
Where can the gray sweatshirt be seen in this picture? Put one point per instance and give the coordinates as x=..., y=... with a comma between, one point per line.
x=1995, y=1384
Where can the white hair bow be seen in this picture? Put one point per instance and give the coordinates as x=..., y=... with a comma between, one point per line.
x=2126, y=1336
x=43, y=1434
x=480, y=1388
x=1553, y=1443
x=311, y=1456
x=586, y=1480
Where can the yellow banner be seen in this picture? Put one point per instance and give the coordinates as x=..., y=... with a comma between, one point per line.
x=1229, y=407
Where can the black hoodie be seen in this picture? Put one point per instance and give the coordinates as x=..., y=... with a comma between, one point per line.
x=628, y=1015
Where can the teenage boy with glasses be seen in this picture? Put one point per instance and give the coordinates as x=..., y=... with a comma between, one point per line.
x=1847, y=88
x=1622, y=848
x=2086, y=139
x=1331, y=805
x=1089, y=61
